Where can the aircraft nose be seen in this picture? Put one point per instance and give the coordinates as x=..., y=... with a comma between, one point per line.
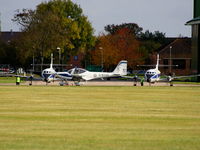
x=149, y=80
x=46, y=77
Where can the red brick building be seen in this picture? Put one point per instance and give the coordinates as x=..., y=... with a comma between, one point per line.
x=76, y=61
x=178, y=53
x=7, y=37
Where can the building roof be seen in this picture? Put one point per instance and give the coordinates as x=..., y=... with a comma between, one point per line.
x=193, y=21
x=181, y=47
x=9, y=36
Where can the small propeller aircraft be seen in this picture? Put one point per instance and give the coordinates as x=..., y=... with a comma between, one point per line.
x=77, y=74
x=154, y=75
x=49, y=74
x=82, y=74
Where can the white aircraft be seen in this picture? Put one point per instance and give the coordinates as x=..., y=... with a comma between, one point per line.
x=82, y=74
x=153, y=75
x=49, y=74
x=77, y=74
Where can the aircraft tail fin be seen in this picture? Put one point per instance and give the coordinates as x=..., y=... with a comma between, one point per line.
x=51, y=65
x=157, y=64
x=121, y=68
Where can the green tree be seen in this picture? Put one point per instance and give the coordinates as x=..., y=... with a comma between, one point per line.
x=157, y=36
x=8, y=54
x=57, y=23
x=150, y=42
x=133, y=28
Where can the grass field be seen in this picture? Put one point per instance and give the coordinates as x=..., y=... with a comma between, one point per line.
x=99, y=118
x=7, y=79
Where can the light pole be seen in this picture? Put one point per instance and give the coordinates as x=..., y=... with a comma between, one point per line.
x=101, y=57
x=33, y=63
x=170, y=59
x=42, y=61
x=59, y=51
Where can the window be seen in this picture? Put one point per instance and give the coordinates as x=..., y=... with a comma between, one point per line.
x=180, y=62
x=75, y=57
x=79, y=70
x=165, y=62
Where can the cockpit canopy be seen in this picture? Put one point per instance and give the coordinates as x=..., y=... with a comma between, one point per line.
x=76, y=71
x=150, y=73
x=47, y=72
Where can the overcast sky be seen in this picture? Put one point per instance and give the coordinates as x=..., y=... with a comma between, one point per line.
x=168, y=16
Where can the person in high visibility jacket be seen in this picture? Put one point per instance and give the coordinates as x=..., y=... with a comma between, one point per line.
x=142, y=82
x=18, y=80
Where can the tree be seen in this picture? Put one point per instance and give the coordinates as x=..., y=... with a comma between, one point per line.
x=57, y=23
x=133, y=28
x=8, y=53
x=150, y=36
x=150, y=42
x=115, y=47
x=105, y=52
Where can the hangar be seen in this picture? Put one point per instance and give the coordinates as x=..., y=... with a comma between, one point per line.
x=195, y=23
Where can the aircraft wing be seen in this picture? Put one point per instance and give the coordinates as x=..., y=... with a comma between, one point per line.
x=171, y=78
x=190, y=76
x=86, y=78
x=31, y=77
x=167, y=79
x=62, y=77
x=77, y=77
x=15, y=75
x=118, y=75
x=136, y=78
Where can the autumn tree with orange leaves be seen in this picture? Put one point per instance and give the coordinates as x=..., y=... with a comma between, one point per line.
x=122, y=45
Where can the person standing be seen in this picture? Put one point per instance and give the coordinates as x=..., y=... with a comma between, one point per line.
x=18, y=80
x=142, y=82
